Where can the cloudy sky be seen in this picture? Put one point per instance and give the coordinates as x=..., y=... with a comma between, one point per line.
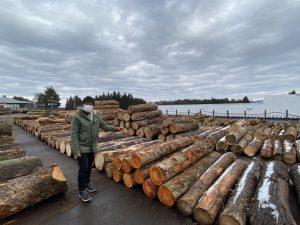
x=157, y=50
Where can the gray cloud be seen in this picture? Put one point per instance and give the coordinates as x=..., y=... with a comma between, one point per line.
x=154, y=49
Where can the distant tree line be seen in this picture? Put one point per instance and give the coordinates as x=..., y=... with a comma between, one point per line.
x=19, y=98
x=204, y=101
x=124, y=100
x=293, y=92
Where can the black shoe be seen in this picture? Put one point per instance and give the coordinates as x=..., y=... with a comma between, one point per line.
x=90, y=188
x=85, y=196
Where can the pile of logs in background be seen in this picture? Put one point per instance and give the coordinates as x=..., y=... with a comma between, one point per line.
x=24, y=181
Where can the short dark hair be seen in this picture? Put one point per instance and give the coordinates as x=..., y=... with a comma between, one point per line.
x=88, y=99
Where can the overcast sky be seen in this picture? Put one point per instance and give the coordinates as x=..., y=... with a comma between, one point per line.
x=154, y=49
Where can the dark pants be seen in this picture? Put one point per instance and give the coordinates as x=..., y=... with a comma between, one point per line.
x=85, y=163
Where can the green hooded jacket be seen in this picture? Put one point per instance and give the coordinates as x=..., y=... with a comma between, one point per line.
x=84, y=132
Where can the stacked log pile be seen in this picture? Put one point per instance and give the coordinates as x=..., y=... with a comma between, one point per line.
x=108, y=110
x=4, y=110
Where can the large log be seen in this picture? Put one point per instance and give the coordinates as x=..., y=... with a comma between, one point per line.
x=187, y=202
x=183, y=127
x=104, y=137
x=12, y=154
x=253, y=147
x=152, y=131
x=297, y=147
x=277, y=150
x=234, y=136
x=218, y=134
x=295, y=176
x=172, y=190
x=146, y=122
x=58, y=134
x=275, y=131
x=211, y=202
x=149, y=188
x=123, y=144
x=182, y=119
x=131, y=131
x=13, y=168
x=25, y=191
x=142, y=107
x=120, y=113
x=266, y=149
x=128, y=180
x=202, y=136
x=179, y=161
x=291, y=134
x=5, y=128
x=270, y=205
x=235, y=212
x=146, y=115
x=157, y=151
x=289, y=152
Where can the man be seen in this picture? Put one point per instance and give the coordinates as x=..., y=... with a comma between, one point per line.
x=84, y=138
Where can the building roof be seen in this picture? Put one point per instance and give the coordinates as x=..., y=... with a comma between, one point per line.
x=5, y=100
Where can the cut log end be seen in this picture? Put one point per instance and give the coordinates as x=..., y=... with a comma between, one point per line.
x=99, y=161
x=117, y=163
x=117, y=175
x=128, y=180
x=136, y=162
x=202, y=216
x=184, y=207
x=126, y=167
x=156, y=176
x=165, y=196
x=230, y=139
x=138, y=177
x=149, y=189
x=57, y=174
x=289, y=159
x=225, y=220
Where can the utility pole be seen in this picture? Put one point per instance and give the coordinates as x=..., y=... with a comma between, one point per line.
x=74, y=102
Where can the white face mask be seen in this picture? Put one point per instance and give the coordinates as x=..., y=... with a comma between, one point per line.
x=87, y=108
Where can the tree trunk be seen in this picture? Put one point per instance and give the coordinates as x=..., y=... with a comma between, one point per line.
x=289, y=152
x=270, y=205
x=189, y=134
x=168, y=168
x=211, y=202
x=155, y=152
x=5, y=128
x=295, y=176
x=277, y=150
x=253, y=147
x=266, y=149
x=13, y=168
x=128, y=180
x=164, y=130
x=235, y=212
x=202, y=136
x=275, y=131
x=125, y=164
x=146, y=122
x=222, y=145
x=234, y=136
x=146, y=115
x=149, y=188
x=152, y=131
x=111, y=136
x=265, y=134
x=238, y=148
x=123, y=144
x=187, y=202
x=48, y=128
x=217, y=135
x=171, y=191
x=297, y=146
x=13, y=153
x=183, y=119
x=291, y=134
x=142, y=107
x=117, y=175
x=183, y=127
x=25, y=191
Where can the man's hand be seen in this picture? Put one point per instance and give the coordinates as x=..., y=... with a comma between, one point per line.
x=76, y=155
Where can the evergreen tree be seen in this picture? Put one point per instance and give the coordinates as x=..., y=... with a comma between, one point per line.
x=49, y=99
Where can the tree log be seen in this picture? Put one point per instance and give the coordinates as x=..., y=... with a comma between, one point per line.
x=149, y=188
x=189, y=134
x=13, y=168
x=9, y=146
x=172, y=190
x=128, y=180
x=295, y=176
x=121, y=145
x=6, y=140
x=59, y=140
x=182, y=119
x=142, y=107
x=12, y=154
x=157, y=151
x=25, y=191
x=146, y=122
x=297, y=146
x=164, y=130
x=140, y=132
x=218, y=134
x=275, y=131
x=5, y=128
x=211, y=202
x=179, y=161
x=128, y=124
x=117, y=175
x=291, y=134
x=108, y=136
x=187, y=202
x=162, y=137
x=277, y=150
x=106, y=102
x=238, y=148
x=270, y=205
x=266, y=149
x=183, y=127
x=122, y=124
x=116, y=122
x=131, y=131
x=120, y=113
x=109, y=168
x=170, y=137
x=152, y=131
x=289, y=152
x=253, y=147
x=265, y=134
x=202, y=136
x=222, y=146
x=234, y=136
x=235, y=212
x=63, y=145
x=146, y=115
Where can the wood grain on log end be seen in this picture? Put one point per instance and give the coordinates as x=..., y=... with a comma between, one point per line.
x=156, y=176
x=202, y=216
x=117, y=175
x=135, y=161
x=149, y=189
x=125, y=165
x=138, y=176
x=129, y=180
x=117, y=163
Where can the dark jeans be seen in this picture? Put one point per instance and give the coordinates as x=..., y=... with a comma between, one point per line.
x=85, y=163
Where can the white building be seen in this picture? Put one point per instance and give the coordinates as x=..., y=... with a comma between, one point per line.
x=15, y=104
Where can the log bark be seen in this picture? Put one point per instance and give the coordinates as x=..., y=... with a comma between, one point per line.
x=270, y=205
x=172, y=190
x=23, y=192
x=179, y=161
x=253, y=147
x=143, y=123
x=150, y=189
x=5, y=128
x=290, y=134
x=183, y=119
x=128, y=180
x=155, y=152
x=183, y=127
x=189, y=134
x=140, y=132
x=13, y=168
x=187, y=202
x=146, y=115
x=277, y=150
x=289, y=152
x=267, y=148
x=211, y=202
x=170, y=137
x=218, y=134
x=108, y=136
x=152, y=131
x=238, y=148
x=202, y=136
x=117, y=175
x=236, y=209
x=106, y=102
x=222, y=146
x=295, y=176
x=142, y=107
x=234, y=136
x=297, y=146
x=12, y=154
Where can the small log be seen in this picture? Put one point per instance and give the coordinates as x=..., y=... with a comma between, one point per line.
x=289, y=152
x=131, y=131
x=238, y=148
x=5, y=128
x=22, y=192
x=146, y=115
x=297, y=147
x=146, y=122
x=182, y=119
x=183, y=127
x=69, y=149
x=235, y=212
x=164, y=130
x=253, y=147
x=295, y=176
x=277, y=150
x=109, y=168
x=142, y=107
x=266, y=149
x=189, y=134
x=291, y=134
x=270, y=205
x=234, y=136
x=12, y=154
x=152, y=131
x=187, y=202
x=128, y=124
x=149, y=188
x=211, y=202
x=117, y=175
x=122, y=124
x=172, y=190
x=128, y=180
x=222, y=146
x=63, y=145
x=140, y=132
x=120, y=114
x=116, y=122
